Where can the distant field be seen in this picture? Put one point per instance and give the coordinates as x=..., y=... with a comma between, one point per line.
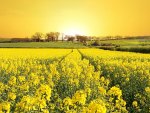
x=42, y=45
x=129, y=42
x=132, y=45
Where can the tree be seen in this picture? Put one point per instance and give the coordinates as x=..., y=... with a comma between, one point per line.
x=49, y=36
x=57, y=35
x=37, y=37
x=71, y=38
x=62, y=37
x=82, y=39
x=52, y=36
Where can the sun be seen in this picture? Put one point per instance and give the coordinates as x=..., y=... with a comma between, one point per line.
x=74, y=31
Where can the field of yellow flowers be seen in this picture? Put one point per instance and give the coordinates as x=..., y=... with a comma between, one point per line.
x=73, y=81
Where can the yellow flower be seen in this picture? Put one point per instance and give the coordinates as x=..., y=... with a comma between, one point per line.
x=71, y=111
x=67, y=101
x=21, y=78
x=96, y=106
x=134, y=103
x=24, y=87
x=102, y=90
x=76, y=82
x=1, y=108
x=147, y=89
x=127, y=79
x=2, y=87
x=45, y=111
x=11, y=96
x=6, y=106
x=34, y=79
x=102, y=79
x=12, y=80
x=123, y=103
x=88, y=91
x=26, y=104
x=26, y=99
x=115, y=91
x=79, y=97
x=42, y=103
x=44, y=91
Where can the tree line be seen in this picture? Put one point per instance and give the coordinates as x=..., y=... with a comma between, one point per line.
x=53, y=36
x=57, y=36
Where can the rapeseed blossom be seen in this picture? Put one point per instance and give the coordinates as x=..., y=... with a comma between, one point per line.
x=73, y=81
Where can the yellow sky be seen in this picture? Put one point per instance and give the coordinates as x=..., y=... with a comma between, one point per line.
x=21, y=18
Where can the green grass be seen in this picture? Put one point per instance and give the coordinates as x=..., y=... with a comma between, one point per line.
x=128, y=42
x=139, y=49
x=42, y=45
x=5, y=40
x=131, y=45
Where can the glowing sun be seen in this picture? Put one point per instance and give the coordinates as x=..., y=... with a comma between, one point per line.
x=74, y=31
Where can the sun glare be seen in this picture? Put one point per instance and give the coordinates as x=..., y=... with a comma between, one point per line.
x=74, y=31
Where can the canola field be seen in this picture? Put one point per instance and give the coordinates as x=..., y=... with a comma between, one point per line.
x=74, y=81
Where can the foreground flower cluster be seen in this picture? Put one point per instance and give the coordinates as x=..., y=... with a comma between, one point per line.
x=73, y=81
x=129, y=71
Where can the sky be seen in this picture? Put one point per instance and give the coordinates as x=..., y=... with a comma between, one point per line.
x=22, y=18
